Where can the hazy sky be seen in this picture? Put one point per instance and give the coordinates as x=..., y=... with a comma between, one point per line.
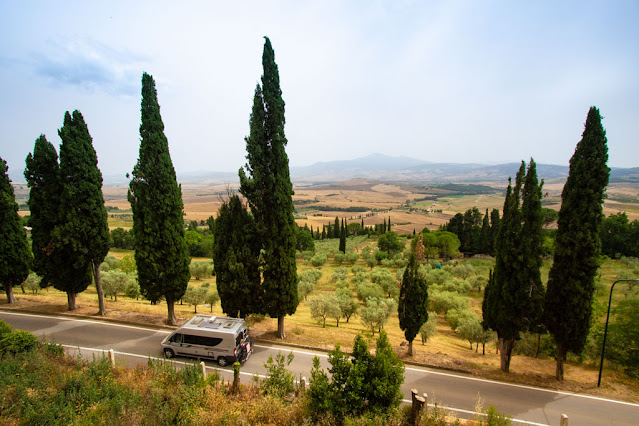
x=442, y=81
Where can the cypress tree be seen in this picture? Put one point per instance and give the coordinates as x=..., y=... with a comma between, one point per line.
x=494, y=228
x=571, y=281
x=236, y=254
x=342, y=238
x=15, y=255
x=82, y=231
x=485, y=234
x=42, y=174
x=269, y=192
x=389, y=223
x=513, y=297
x=413, y=302
x=337, y=231
x=161, y=253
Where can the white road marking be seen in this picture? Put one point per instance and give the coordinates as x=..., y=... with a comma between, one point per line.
x=326, y=356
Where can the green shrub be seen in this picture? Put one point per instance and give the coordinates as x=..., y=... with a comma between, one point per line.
x=340, y=273
x=17, y=341
x=279, y=381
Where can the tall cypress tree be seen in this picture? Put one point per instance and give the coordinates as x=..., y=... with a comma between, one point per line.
x=485, y=234
x=15, y=255
x=42, y=173
x=571, y=281
x=413, y=302
x=161, y=252
x=269, y=192
x=236, y=257
x=342, y=238
x=494, y=228
x=82, y=230
x=514, y=294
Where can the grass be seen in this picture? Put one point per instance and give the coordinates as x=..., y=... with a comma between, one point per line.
x=444, y=350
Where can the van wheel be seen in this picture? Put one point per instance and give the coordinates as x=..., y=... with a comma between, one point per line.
x=168, y=353
x=222, y=361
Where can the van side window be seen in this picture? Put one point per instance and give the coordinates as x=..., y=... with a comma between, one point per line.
x=201, y=340
x=176, y=338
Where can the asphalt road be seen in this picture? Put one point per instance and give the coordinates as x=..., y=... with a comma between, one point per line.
x=458, y=392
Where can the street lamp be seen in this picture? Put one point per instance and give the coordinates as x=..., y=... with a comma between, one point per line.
x=603, y=347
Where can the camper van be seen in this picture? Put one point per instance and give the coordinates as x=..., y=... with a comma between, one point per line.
x=223, y=339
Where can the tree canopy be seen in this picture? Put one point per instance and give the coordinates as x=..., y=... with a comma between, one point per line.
x=269, y=191
x=161, y=253
x=571, y=280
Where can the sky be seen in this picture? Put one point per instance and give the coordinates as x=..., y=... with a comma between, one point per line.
x=441, y=81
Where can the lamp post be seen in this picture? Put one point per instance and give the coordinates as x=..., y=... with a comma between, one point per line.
x=603, y=347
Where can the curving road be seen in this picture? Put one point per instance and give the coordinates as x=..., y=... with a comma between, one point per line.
x=458, y=392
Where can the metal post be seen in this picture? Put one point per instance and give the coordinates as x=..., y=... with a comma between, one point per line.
x=603, y=346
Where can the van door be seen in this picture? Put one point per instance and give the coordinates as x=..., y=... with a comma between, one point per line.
x=176, y=342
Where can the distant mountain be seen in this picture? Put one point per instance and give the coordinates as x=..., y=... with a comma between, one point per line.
x=381, y=167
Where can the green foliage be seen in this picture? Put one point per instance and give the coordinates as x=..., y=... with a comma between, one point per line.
x=110, y=263
x=413, y=302
x=236, y=255
x=279, y=381
x=514, y=295
x=161, y=254
x=443, y=301
x=325, y=306
x=570, y=289
x=32, y=283
x=17, y=341
x=340, y=273
x=15, y=255
x=386, y=281
x=346, y=302
x=132, y=290
x=195, y=296
x=366, y=290
x=42, y=175
x=114, y=282
x=365, y=384
x=619, y=237
x=122, y=238
x=454, y=317
x=470, y=329
x=5, y=329
x=269, y=190
x=623, y=335
x=319, y=260
x=201, y=270
x=376, y=312
x=82, y=231
x=390, y=243
x=428, y=329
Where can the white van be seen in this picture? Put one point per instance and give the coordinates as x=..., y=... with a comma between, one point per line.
x=205, y=336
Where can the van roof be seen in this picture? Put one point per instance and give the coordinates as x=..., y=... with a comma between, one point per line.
x=211, y=322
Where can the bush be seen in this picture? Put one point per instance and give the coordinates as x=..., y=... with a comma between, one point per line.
x=366, y=290
x=340, y=273
x=319, y=260
x=17, y=341
x=352, y=257
x=358, y=268
x=5, y=329
x=338, y=258
x=443, y=301
x=312, y=275
x=455, y=316
x=429, y=328
x=366, y=384
x=279, y=381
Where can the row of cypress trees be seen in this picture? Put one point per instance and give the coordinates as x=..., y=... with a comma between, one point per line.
x=515, y=300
